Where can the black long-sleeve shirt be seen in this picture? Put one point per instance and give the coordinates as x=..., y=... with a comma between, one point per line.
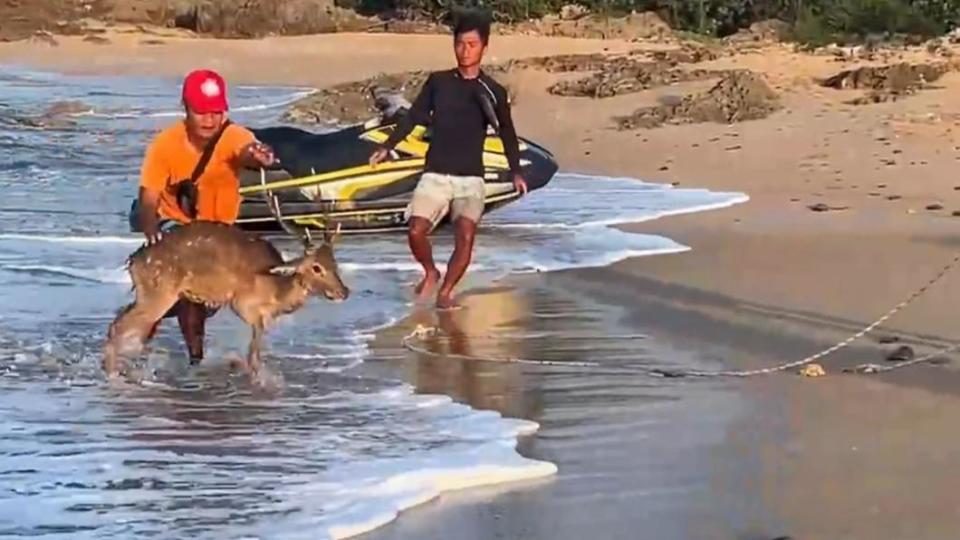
x=458, y=123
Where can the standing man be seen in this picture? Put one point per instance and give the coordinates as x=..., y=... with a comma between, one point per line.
x=173, y=157
x=455, y=103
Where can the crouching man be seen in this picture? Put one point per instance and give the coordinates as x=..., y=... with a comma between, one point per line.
x=191, y=172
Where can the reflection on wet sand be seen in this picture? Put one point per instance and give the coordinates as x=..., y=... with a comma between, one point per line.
x=472, y=332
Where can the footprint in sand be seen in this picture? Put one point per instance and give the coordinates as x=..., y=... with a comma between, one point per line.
x=96, y=40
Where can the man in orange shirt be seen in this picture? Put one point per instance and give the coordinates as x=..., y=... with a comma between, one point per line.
x=171, y=159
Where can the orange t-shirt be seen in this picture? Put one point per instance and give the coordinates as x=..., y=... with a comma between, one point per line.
x=170, y=159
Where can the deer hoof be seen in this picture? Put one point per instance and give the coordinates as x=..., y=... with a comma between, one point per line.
x=109, y=361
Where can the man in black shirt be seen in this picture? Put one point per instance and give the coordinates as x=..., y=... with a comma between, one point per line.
x=463, y=101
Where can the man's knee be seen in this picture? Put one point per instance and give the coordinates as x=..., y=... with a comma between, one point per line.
x=419, y=227
x=465, y=230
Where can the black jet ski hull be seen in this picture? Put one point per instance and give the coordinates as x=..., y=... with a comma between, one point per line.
x=324, y=178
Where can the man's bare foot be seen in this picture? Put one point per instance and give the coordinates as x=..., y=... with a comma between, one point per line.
x=446, y=301
x=426, y=286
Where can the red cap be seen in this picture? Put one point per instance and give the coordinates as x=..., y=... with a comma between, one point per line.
x=204, y=91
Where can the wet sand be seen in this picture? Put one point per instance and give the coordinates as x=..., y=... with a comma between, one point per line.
x=846, y=456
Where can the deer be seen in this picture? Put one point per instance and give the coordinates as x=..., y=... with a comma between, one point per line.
x=217, y=264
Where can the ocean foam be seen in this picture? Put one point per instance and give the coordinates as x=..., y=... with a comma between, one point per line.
x=356, y=498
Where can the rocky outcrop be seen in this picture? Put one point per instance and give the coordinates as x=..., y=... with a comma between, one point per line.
x=221, y=18
x=887, y=83
x=576, y=22
x=739, y=96
x=254, y=18
x=21, y=19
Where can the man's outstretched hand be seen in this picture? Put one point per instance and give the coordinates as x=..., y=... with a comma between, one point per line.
x=379, y=156
x=259, y=154
x=520, y=185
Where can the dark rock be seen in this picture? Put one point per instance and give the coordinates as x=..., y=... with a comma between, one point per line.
x=822, y=207
x=904, y=353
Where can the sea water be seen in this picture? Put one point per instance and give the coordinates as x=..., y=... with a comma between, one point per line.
x=324, y=450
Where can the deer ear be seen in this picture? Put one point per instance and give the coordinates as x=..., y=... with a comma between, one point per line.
x=284, y=270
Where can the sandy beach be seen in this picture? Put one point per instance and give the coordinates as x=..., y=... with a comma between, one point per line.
x=838, y=457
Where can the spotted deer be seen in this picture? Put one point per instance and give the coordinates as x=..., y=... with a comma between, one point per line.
x=217, y=265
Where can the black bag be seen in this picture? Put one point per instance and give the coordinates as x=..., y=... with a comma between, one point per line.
x=185, y=190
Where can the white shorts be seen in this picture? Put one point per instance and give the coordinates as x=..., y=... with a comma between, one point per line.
x=435, y=194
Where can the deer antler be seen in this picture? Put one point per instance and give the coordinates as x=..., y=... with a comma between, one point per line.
x=328, y=237
x=274, y=205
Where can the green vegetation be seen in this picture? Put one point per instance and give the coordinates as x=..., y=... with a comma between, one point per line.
x=811, y=21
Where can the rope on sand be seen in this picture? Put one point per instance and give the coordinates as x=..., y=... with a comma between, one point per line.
x=422, y=332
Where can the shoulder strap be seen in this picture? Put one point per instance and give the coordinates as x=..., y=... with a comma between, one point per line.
x=488, y=103
x=208, y=153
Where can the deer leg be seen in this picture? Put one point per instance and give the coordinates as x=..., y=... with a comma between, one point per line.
x=250, y=312
x=153, y=330
x=131, y=328
x=253, y=356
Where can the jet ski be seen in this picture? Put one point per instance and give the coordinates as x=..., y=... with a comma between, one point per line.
x=324, y=180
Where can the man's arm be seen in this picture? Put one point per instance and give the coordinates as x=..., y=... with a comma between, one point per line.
x=508, y=134
x=149, y=222
x=256, y=154
x=153, y=180
x=419, y=113
x=245, y=149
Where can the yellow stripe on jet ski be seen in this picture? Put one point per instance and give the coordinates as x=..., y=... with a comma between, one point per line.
x=414, y=146
x=412, y=164
x=372, y=180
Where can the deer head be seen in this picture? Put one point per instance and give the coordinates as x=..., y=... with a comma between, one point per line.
x=316, y=270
